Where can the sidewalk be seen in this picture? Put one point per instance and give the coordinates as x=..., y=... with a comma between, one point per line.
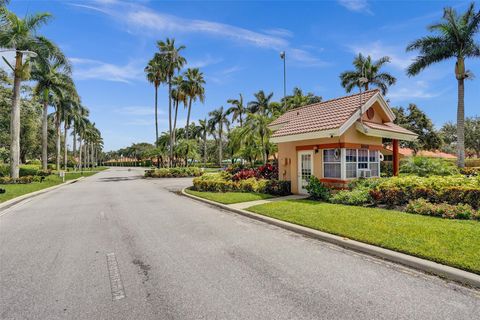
x=248, y=204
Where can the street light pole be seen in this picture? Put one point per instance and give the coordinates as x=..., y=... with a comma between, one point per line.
x=284, y=58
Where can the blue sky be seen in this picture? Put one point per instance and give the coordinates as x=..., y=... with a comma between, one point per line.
x=237, y=45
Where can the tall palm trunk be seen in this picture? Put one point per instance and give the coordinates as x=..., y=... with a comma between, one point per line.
x=461, y=123
x=170, y=119
x=74, y=147
x=174, y=131
x=45, y=134
x=15, y=120
x=220, y=145
x=156, y=120
x=188, y=116
x=93, y=155
x=205, y=149
x=58, y=135
x=65, y=151
x=80, y=153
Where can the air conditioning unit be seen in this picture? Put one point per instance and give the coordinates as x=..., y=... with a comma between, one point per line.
x=364, y=173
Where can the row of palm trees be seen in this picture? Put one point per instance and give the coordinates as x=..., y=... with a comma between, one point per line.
x=183, y=88
x=39, y=59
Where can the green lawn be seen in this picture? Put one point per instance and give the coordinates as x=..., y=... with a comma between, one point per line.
x=15, y=190
x=230, y=197
x=452, y=242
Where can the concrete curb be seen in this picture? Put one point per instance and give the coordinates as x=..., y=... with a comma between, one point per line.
x=9, y=203
x=443, y=271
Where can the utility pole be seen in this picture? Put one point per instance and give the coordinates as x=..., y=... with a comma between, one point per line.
x=284, y=58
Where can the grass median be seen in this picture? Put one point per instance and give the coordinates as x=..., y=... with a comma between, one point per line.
x=16, y=190
x=230, y=197
x=451, y=242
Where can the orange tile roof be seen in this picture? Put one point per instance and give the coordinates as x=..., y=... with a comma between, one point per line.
x=326, y=115
x=388, y=126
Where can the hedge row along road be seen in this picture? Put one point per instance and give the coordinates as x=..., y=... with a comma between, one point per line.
x=115, y=245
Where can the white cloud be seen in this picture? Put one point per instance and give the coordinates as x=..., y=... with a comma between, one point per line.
x=419, y=89
x=86, y=69
x=356, y=5
x=143, y=20
x=305, y=58
x=204, y=62
x=399, y=59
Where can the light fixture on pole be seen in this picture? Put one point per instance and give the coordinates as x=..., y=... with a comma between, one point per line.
x=284, y=58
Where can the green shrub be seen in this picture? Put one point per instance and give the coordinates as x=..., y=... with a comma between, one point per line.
x=472, y=162
x=2, y=191
x=355, y=197
x=28, y=170
x=444, y=210
x=213, y=183
x=178, y=172
x=4, y=170
x=386, y=169
x=35, y=162
x=278, y=187
x=424, y=167
x=317, y=189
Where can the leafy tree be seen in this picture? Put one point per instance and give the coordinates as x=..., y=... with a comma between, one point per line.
x=454, y=37
x=417, y=121
x=366, y=68
x=472, y=135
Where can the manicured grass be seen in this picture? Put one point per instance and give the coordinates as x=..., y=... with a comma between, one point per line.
x=230, y=197
x=16, y=190
x=451, y=242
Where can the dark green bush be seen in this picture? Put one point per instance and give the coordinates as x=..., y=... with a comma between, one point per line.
x=424, y=167
x=2, y=191
x=317, y=189
x=444, y=210
x=278, y=188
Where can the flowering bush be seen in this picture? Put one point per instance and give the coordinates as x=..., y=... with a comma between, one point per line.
x=220, y=182
x=268, y=172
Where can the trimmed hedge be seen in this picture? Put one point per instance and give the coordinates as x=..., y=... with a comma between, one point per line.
x=179, y=172
x=444, y=210
x=222, y=183
x=452, y=190
x=21, y=180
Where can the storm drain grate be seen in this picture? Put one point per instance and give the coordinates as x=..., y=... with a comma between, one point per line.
x=115, y=279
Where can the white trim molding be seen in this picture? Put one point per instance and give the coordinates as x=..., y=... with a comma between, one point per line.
x=306, y=136
x=384, y=133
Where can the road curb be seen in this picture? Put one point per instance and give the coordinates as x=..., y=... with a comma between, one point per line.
x=9, y=203
x=443, y=271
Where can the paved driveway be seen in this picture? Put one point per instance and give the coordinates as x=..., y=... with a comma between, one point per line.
x=116, y=246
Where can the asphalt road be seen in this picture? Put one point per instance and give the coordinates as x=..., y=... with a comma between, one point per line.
x=116, y=246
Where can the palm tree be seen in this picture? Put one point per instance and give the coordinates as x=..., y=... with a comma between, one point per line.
x=454, y=38
x=203, y=130
x=218, y=118
x=298, y=99
x=173, y=62
x=52, y=76
x=79, y=114
x=257, y=124
x=194, y=89
x=370, y=70
x=80, y=125
x=20, y=36
x=262, y=104
x=178, y=95
x=237, y=110
x=155, y=71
